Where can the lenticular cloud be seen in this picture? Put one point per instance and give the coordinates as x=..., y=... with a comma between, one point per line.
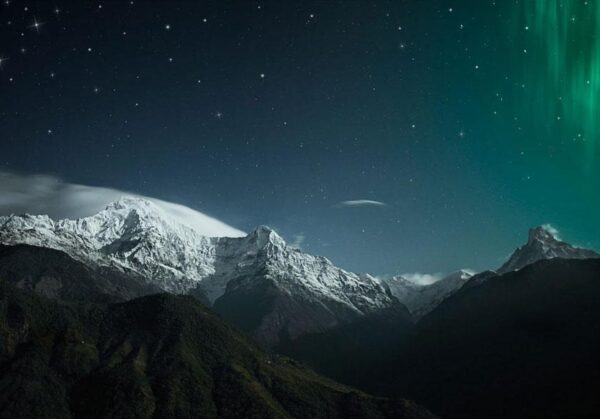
x=44, y=194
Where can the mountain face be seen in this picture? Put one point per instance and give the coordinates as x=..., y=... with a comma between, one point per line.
x=55, y=274
x=129, y=235
x=542, y=244
x=134, y=236
x=422, y=299
x=521, y=345
x=161, y=356
x=280, y=292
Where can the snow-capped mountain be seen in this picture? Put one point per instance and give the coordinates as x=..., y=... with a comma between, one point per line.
x=135, y=235
x=422, y=299
x=277, y=291
x=543, y=244
x=131, y=234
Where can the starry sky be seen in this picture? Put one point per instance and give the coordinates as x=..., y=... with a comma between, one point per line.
x=465, y=123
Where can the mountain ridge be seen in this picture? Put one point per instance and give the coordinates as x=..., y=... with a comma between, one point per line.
x=132, y=235
x=422, y=299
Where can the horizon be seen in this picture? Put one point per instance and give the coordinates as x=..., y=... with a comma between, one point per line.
x=198, y=221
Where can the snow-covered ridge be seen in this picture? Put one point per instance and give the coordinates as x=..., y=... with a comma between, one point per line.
x=422, y=299
x=138, y=236
x=135, y=234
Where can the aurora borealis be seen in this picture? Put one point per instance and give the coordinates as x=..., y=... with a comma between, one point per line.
x=561, y=62
x=466, y=122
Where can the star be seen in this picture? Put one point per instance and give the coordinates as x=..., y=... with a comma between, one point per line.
x=36, y=25
x=262, y=75
x=168, y=27
x=218, y=115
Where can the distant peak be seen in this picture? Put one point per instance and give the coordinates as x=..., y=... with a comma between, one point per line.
x=465, y=273
x=543, y=243
x=543, y=233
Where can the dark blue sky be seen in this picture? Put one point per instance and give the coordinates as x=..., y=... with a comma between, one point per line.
x=272, y=112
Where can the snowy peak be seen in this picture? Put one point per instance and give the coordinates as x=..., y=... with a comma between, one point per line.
x=263, y=236
x=459, y=275
x=131, y=213
x=542, y=234
x=543, y=244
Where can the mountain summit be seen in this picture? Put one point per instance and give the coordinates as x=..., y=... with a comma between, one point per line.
x=543, y=244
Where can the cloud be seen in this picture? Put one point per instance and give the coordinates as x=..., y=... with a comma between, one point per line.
x=44, y=194
x=362, y=203
x=552, y=230
x=422, y=279
x=297, y=241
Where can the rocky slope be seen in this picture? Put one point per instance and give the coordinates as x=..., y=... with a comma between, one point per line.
x=55, y=274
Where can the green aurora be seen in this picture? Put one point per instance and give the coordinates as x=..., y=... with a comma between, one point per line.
x=561, y=63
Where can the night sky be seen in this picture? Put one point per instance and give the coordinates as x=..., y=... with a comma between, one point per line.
x=470, y=120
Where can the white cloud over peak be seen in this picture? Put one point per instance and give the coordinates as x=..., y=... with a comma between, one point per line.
x=49, y=195
x=422, y=279
x=297, y=241
x=552, y=230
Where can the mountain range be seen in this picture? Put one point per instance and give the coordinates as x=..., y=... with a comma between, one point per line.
x=133, y=237
x=369, y=332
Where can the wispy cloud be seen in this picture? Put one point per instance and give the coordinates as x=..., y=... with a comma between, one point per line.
x=422, y=279
x=362, y=203
x=49, y=195
x=297, y=241
x=552, y=230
